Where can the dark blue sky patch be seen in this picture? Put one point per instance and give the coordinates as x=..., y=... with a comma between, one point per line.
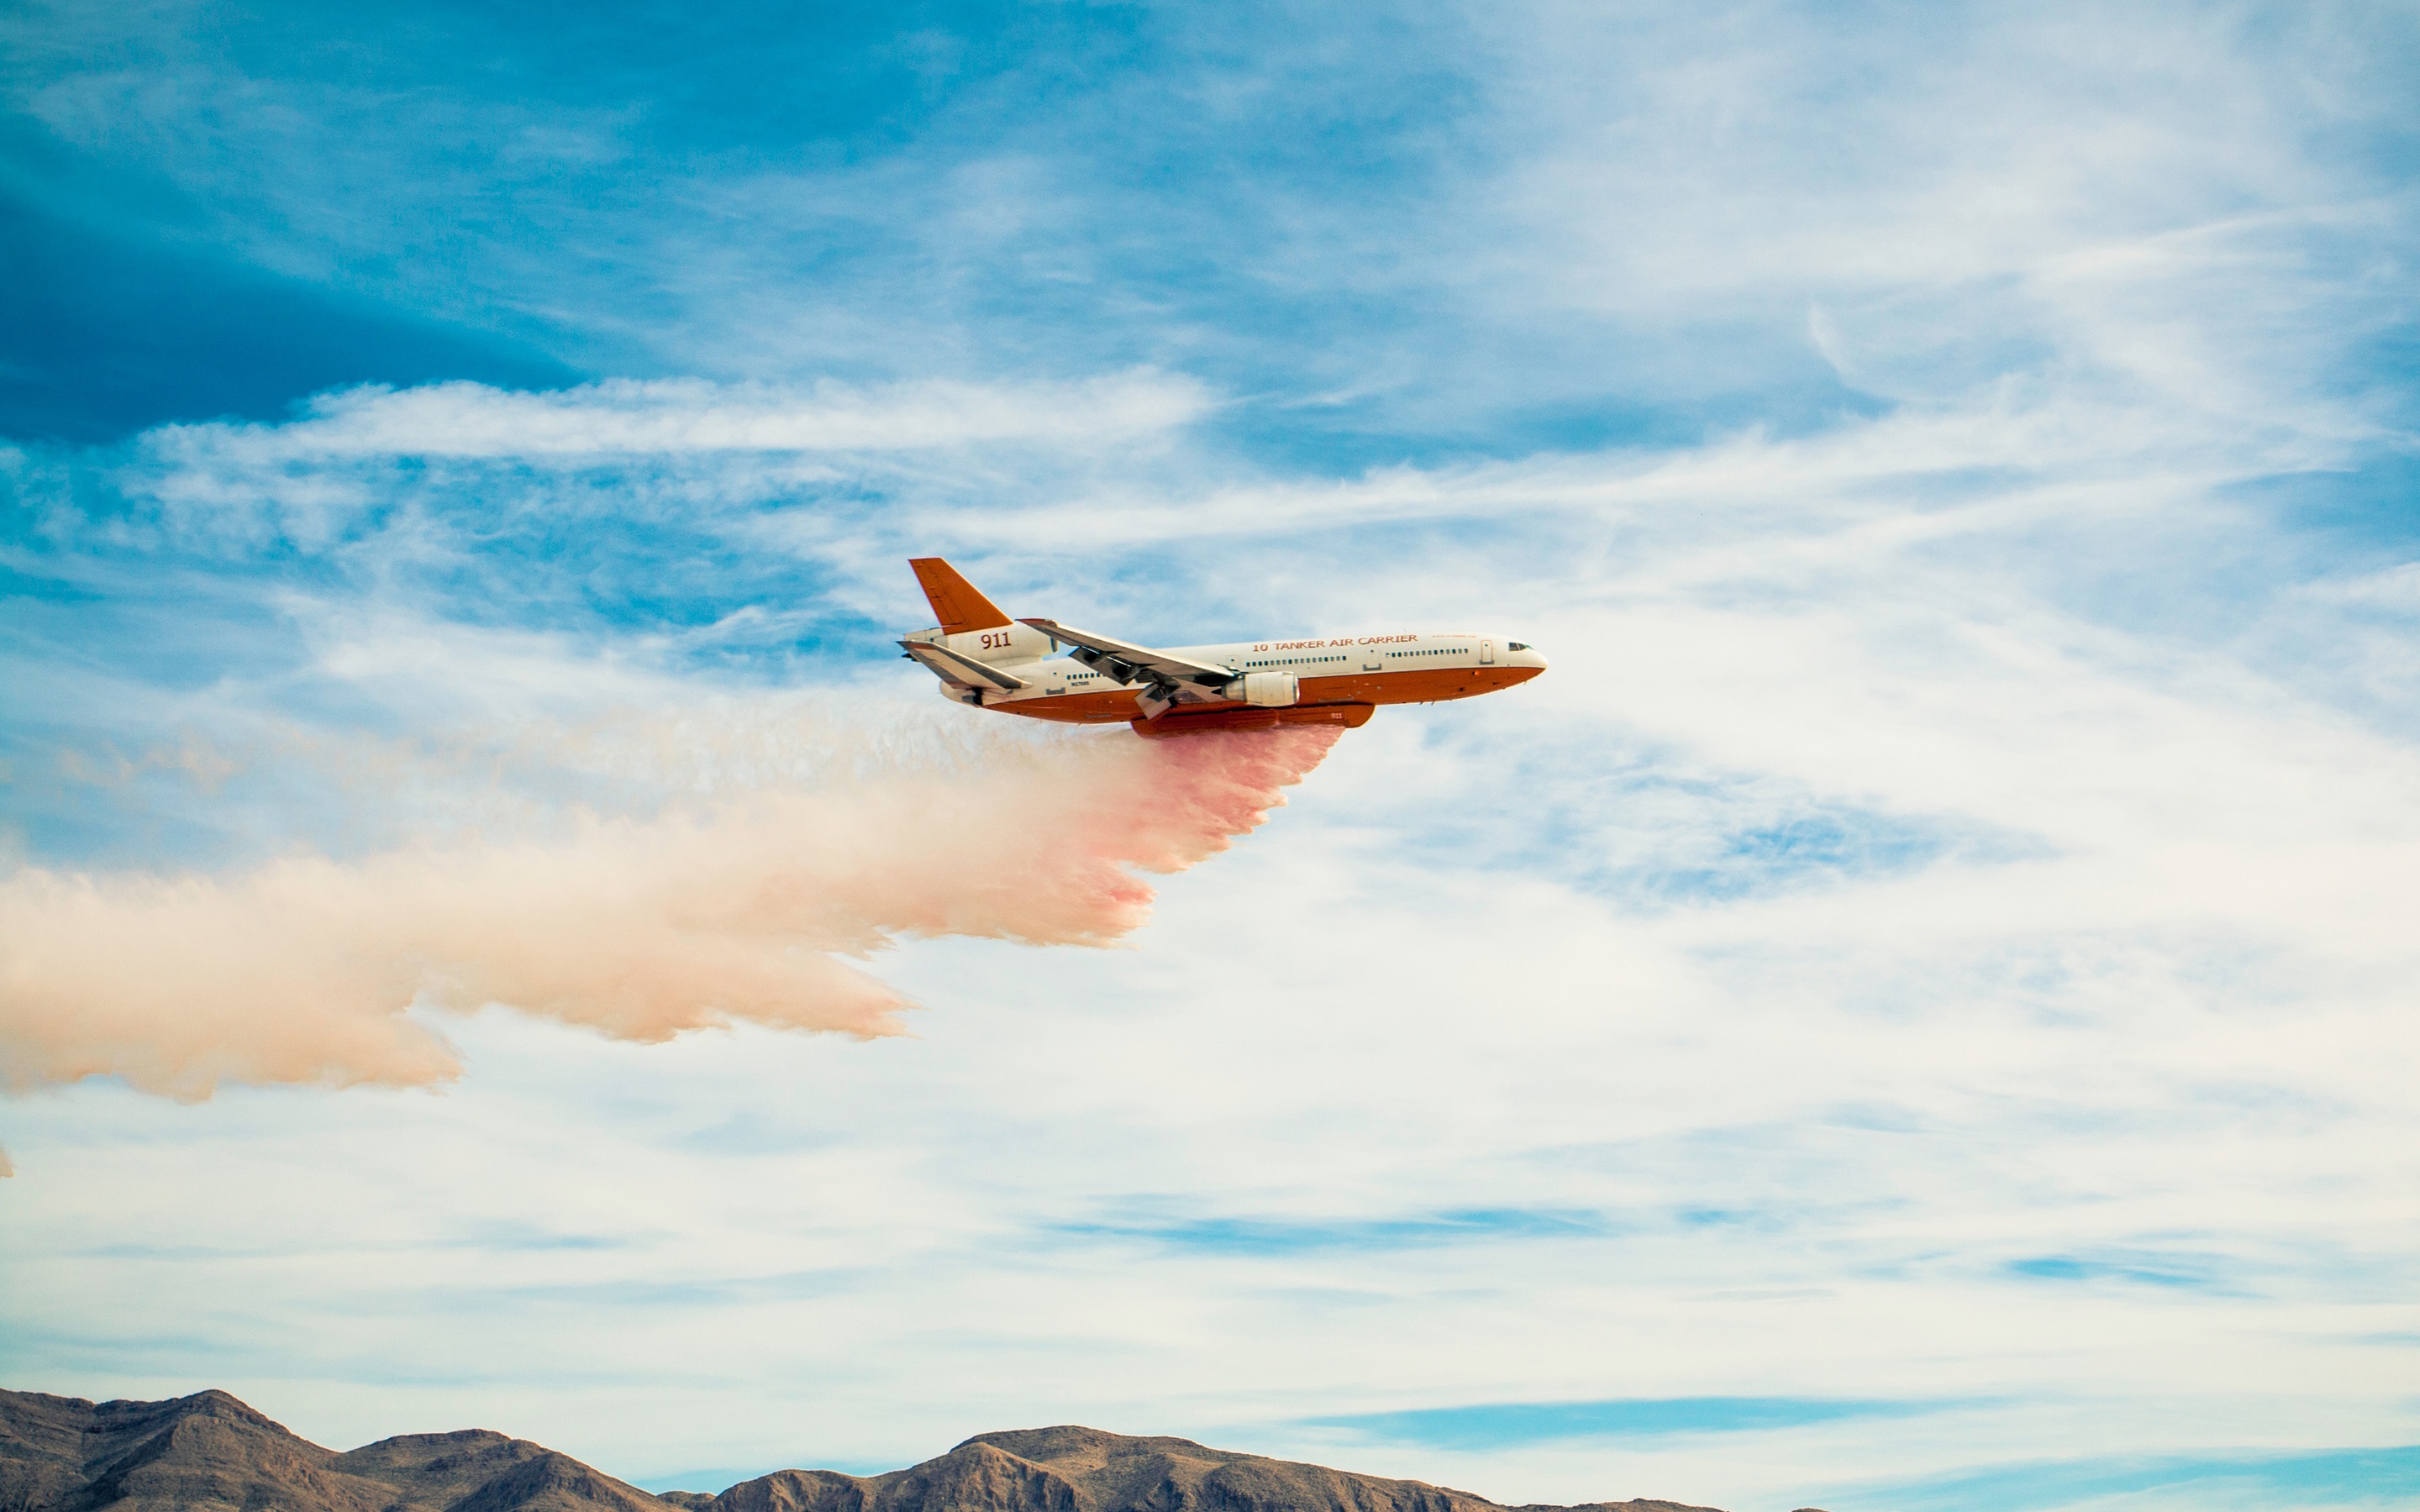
x=2360, y=517
x=2327, y=1477
x=1512, y=1425
x=1279, y=1237
x=103, y=334
x=2193, y=1272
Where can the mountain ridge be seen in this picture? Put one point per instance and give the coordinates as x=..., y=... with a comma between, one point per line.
x=210, y=1452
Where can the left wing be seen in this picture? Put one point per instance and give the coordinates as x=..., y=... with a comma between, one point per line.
x=1169, y=679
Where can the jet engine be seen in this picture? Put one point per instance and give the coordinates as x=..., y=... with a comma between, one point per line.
x=1266, y=690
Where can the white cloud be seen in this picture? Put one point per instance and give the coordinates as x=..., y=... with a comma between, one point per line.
x=676, y=417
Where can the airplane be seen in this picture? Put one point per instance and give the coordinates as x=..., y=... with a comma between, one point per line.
x=1045, y=670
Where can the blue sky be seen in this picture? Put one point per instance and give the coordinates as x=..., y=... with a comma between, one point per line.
x=1912, y=1011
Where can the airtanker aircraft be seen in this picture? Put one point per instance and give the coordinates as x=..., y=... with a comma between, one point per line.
x=1045, y=670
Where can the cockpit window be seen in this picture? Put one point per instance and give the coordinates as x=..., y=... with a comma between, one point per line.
x=1516, y=645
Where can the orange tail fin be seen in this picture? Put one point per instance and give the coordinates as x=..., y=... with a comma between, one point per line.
x=955, y=600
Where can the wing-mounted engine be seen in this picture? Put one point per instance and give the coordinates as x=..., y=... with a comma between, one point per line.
x=1268, y=690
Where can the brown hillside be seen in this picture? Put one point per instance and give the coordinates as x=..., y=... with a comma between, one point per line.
x=1085, y=1470
x=210, y=1452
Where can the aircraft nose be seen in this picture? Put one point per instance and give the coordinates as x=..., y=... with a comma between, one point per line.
x=1519, y=653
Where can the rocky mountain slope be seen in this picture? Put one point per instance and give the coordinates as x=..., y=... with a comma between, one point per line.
x=59, y=1453
x=210, y=1452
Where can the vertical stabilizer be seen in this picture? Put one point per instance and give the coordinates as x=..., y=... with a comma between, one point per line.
x=956, y=601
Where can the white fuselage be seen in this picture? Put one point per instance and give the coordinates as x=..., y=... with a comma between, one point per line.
x=1339, y=670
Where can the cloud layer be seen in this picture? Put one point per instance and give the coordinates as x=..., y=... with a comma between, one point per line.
x=1914, y=1005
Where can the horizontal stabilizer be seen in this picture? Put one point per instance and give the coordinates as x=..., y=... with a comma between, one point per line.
x=965, y=671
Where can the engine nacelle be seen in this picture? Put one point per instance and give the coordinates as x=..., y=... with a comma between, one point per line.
x=1266, y=690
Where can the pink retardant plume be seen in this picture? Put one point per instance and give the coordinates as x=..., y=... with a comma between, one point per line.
x=302, y=969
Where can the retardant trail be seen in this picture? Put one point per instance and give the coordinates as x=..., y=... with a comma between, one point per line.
x=302, y=969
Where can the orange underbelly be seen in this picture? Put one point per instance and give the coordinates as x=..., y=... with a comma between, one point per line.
x=1115, y=706
x=1428, y=685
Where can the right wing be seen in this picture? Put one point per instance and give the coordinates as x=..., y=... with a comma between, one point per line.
x=1172, y=679
x=958, y=671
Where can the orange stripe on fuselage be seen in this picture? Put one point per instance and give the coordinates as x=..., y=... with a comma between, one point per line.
x=1428, y=685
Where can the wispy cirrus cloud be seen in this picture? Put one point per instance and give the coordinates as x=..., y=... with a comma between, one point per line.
x=627, y=418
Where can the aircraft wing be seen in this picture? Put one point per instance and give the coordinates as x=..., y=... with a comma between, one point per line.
x=963, y=672
x=1173, y=678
